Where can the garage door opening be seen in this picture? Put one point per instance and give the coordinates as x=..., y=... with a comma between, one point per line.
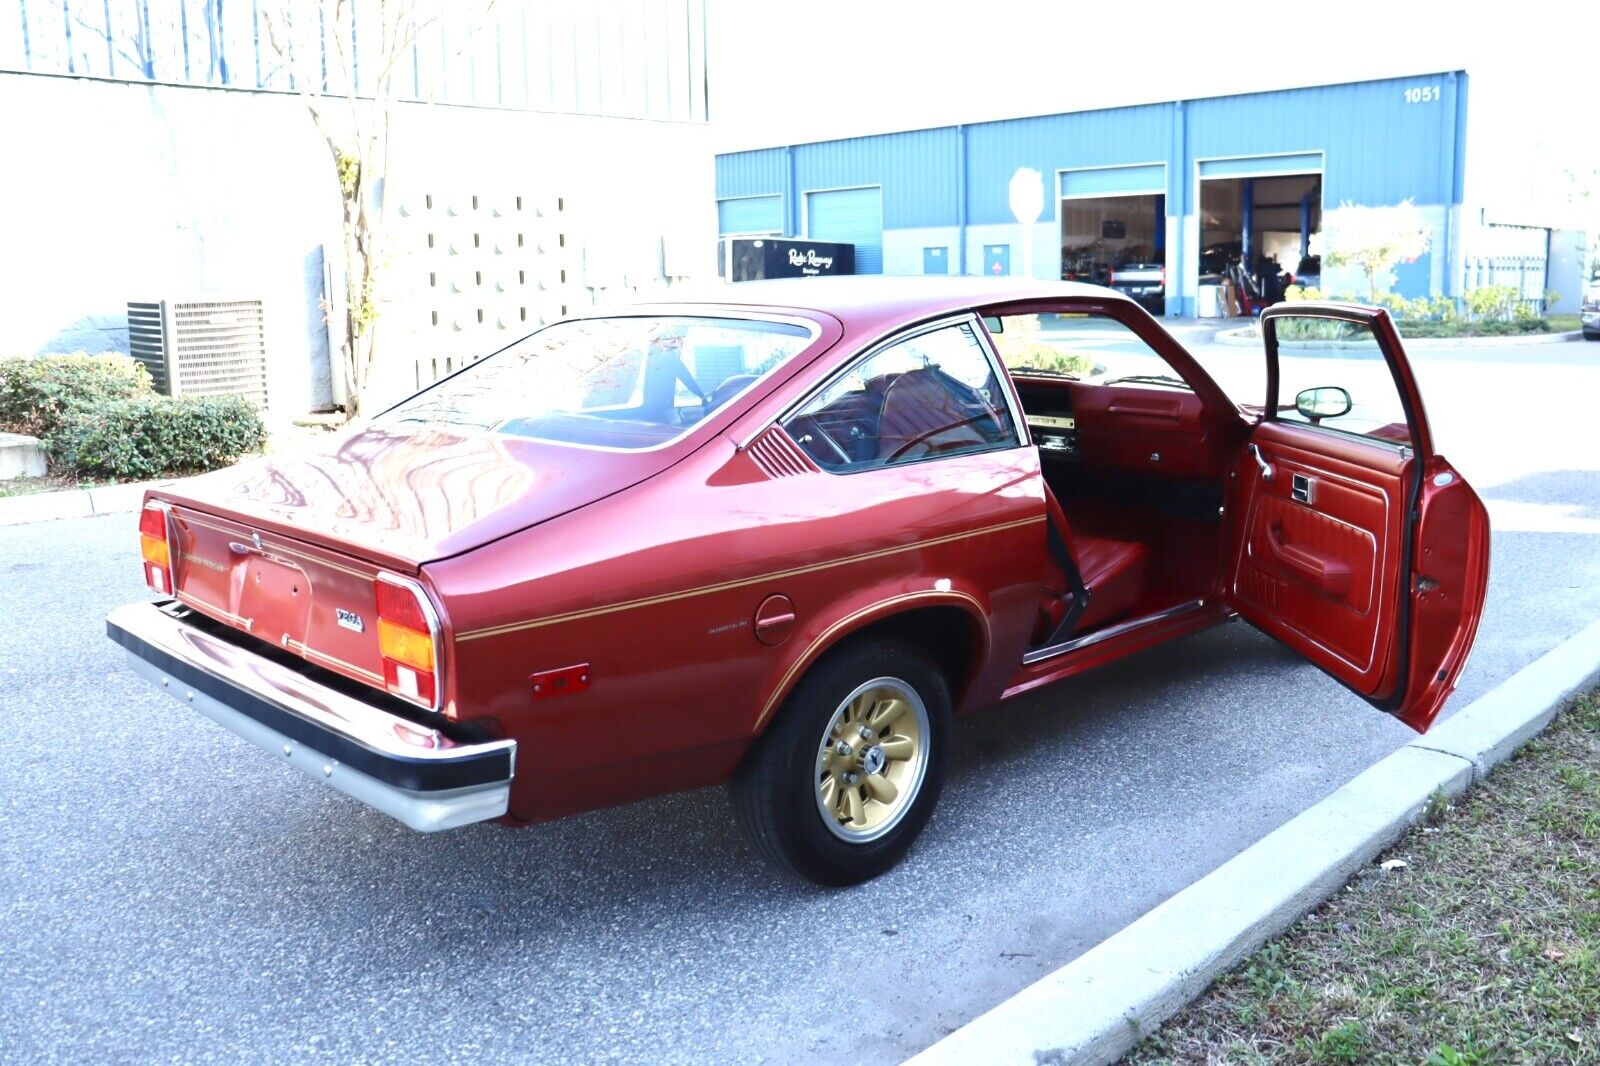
x=1118, y=241
x=1256, y=239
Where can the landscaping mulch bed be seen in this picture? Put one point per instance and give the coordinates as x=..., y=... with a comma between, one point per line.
x=1483, y=947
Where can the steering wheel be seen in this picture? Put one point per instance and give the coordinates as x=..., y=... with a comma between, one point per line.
x=919, y=438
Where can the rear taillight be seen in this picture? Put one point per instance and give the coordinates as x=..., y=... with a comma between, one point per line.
x=408, y=640
x=1111, y=278
x=156, y=548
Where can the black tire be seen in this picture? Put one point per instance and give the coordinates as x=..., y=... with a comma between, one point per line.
x=775, y=789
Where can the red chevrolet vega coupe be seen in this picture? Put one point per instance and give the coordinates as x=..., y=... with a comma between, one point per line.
x=781, y=537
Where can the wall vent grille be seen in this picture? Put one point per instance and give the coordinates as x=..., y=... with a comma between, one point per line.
x=202, y=347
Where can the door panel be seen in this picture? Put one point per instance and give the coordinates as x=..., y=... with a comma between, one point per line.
x=1318, y=575
x=1357, y=546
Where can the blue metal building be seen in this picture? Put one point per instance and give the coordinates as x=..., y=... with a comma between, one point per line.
x=1179, y=183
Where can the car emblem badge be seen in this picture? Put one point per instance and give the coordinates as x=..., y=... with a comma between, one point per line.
x=350, y=620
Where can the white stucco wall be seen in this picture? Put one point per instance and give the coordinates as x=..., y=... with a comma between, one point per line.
x=116, y=192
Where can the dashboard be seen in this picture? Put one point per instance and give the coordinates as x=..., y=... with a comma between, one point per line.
x=1051, y=421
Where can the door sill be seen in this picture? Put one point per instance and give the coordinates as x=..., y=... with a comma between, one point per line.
x=1039, y=655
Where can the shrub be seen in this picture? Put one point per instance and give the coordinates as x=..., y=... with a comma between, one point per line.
x=38, y=395
x=1492, y=301
x=153, y=436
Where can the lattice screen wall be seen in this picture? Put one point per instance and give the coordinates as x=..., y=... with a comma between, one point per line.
x=476, y=269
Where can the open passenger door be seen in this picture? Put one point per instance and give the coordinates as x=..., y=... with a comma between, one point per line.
x=1350, y=540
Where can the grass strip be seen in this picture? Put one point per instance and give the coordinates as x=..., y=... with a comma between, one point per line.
x=1483, y=947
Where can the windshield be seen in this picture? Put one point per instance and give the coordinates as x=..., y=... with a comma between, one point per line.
x=630, y=383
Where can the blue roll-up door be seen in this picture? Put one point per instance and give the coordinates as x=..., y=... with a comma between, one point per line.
x=1261, y=166
x=750, y=214
x=1114, y=181
x=853, y=216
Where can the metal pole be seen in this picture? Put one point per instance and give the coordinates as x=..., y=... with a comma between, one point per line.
x=1247, y=196
x=961, y=200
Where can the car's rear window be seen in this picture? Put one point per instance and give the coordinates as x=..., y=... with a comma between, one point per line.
x=626, y=382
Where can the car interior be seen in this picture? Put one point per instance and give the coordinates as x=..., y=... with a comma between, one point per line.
x=1135, y=487
x=900, y=416
x=1134, y=479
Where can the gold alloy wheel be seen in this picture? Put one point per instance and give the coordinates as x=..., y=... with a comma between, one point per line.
x=872, y=760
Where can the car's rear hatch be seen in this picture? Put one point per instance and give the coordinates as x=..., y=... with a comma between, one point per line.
x=288, y=548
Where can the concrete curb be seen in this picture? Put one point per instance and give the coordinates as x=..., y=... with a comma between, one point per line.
x=73, y=503
x=1245, y=337
x=1094, y=1009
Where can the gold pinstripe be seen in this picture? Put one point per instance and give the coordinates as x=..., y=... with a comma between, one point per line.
x=826, y=634
x=650, y=601
x=312, y=653
x=225, y=615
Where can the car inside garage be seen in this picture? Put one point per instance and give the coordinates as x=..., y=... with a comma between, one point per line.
x=1256, y=238
x=1113, y=230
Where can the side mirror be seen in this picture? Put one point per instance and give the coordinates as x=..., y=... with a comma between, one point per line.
x=1325, y=401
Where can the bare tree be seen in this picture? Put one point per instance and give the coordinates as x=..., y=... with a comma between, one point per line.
x=351, y=98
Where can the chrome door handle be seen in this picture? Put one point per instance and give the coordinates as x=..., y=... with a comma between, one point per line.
x=1266, y=467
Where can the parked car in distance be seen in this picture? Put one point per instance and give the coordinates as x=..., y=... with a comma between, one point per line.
x=1308, y=273
x=1144, y=283
x=1590, y=312
x=781, y=536
x=1215, y=259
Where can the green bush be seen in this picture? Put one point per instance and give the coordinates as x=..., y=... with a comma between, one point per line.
x=155, y=436
x=1460, y=328
x=38, y=395
x=1492, y=301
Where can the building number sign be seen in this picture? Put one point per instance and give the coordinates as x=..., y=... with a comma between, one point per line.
x=1422, y=94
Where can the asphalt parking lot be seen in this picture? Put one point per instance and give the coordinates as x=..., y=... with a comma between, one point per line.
x=168, y=892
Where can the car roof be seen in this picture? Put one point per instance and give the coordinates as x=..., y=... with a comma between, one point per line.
x=874, y=301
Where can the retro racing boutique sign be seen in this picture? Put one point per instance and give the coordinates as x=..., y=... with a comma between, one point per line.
x=753, y=258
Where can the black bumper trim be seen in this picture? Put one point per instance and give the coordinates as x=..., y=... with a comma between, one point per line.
x=422, y=775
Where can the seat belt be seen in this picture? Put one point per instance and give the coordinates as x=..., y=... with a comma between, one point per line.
x=1056, y=540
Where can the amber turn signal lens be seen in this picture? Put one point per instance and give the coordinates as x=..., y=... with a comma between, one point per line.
x=405, y=645
x=155, y=551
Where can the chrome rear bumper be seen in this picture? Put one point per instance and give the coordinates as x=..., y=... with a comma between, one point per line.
x=406, y=770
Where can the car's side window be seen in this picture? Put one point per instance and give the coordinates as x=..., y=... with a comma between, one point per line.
x=1332, y=374
x=935, y=393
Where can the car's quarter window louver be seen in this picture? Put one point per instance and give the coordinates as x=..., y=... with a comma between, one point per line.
x=777, y=455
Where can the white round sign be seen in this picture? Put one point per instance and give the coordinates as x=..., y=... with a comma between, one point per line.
x=1027, y=195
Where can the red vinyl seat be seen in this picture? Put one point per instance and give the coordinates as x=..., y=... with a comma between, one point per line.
x=1113, y=569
